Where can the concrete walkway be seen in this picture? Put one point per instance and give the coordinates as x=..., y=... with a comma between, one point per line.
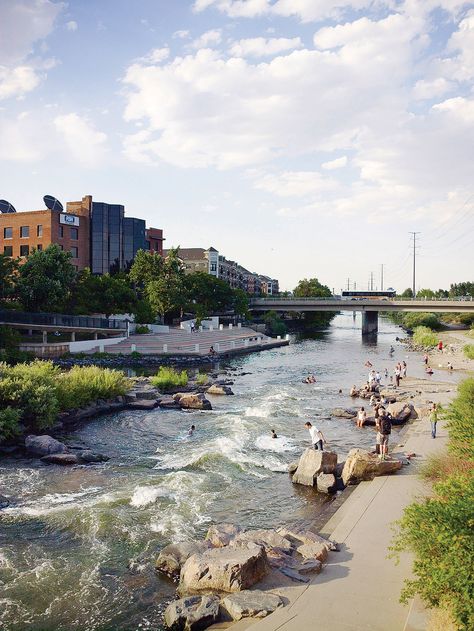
x=359, y=589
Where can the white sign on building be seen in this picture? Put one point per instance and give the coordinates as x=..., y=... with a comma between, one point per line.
x=69, y=220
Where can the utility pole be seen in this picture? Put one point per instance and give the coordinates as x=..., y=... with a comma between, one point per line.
x=414, y=262
x=371, y=281
x=381, y=276
x=348, y=284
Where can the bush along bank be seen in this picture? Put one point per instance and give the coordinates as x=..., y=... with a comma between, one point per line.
x=439, y=529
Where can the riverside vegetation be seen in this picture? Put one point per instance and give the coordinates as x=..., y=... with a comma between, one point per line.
x=33, y=394
x=439, y=529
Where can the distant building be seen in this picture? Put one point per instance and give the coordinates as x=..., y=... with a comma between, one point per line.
x=199, y=260
x=269, y=286
x=97, y=234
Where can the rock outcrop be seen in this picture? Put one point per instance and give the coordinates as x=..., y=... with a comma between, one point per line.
x=172, y=558
x=251, y=604
x=220, y=535
x=400, y=411
x=362, y=465
x=62, y=459
x=44, y=445
x=192, y=401
x=343, y=413
x=192, y=614
x=313, y=462
x=219, y=389
x=224, y=569
x=271, y=540
x=326, y=483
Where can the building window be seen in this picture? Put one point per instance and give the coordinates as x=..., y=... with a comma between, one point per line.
x=213, y=267
x=61, y=232
x=8, y=233
x=39, y=231
x=74, y=234
x=74, y=252
x=24, y=250
x=24, y=232
x=8, y=250
x=39, y=247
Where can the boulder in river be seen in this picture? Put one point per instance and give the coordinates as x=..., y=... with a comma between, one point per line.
x=271, y=540
x=400, y=411
x=4, y=502
x=172, y=558
x=292, y=467
x=62, y=459
x=90, y=457
x=224, y=569
x=44, y=445
x=192, y=401
x=192, y=614
x=300, y=536
x=251, y=604
x=220, y=535
x=343, y=413
x=313, y=462
x=142, y=404
x=219, y=389
x=362, y=465
x=326, y=483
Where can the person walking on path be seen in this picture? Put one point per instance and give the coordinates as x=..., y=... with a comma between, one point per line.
x=317, y=437
x=397, y=376
x=384, y=429
x=425, y=359
x=440, y=346
x=433, y=419
x=404, y=369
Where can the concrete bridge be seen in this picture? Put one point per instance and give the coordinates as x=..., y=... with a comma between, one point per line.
x=368, y=307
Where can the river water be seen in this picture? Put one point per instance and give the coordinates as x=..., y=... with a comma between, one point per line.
x=77, y=545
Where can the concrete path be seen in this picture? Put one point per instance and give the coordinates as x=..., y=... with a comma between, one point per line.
x=359, y=589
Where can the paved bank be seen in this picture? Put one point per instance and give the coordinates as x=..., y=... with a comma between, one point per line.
x=359, y=589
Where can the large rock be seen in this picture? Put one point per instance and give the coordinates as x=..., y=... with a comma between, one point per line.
x=362, y=465
x=192, y=401
x=314, y=550
x=271, y=540
x=220, y=535
x=62, y=459
x=292, y=467
x=90, y=457
x=343, y=413
x=44, y=445
x=326, y=483
x=300, y=536
x=172, y=558
x=251, y=604
x=143, y=404
x=4, y=502
x=313, y=462
x=400, y=411
x=224, y=569
x=192, y=614
x=219, y=389
x=168, y=403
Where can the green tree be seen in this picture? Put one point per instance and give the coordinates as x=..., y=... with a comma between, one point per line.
x=311, y=288
x=426, y=293
x=146, y=267
x=241, y=303
x=45, y=279
x=462, y=289
x=408, y=293
x=8, y=276
x=102, y=294
x=208, y=294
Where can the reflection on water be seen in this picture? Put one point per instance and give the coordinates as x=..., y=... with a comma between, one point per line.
x=76, y=544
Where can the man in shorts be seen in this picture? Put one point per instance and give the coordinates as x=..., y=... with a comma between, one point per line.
x=384, y=429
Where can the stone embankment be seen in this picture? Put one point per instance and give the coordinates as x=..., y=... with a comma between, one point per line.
x=235, y=574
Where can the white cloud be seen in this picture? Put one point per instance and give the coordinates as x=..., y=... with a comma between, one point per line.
x=208, y=39
x=156, y=56
x=338, y=163
x=71, y=25
x=458, y=107
x=263, y=47
x=295, y=183
x=425, y=89
x=84, y=142
x=182, y=34
x=17, y=81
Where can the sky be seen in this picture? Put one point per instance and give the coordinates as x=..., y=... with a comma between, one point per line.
x=302, y=138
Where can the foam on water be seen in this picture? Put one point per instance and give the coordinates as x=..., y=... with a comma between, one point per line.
x=145, y=495
x=279, y=445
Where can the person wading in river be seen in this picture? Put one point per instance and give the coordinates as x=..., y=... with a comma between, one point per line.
x=317, y=438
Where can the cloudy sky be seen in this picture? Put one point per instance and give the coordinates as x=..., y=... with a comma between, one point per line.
x=299, y=137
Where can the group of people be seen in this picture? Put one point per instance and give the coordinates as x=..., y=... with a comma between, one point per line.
x=309, y=379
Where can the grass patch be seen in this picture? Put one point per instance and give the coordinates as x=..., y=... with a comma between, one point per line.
x=469, y=351
x=423, y=336
x=201, y=379
x=84, y=384
x=441, y=465
x=167, y=377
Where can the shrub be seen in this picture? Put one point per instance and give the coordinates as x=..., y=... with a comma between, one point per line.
x=9, y=421
x=423, y=336
x=469, y=351
x=460, y=417
x=201, y=379
x=142, y=329
x=135, y=355
x=413, y=320
x=169, y=378
x=84, y=384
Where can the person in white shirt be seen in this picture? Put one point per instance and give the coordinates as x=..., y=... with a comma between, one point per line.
x=317, y=437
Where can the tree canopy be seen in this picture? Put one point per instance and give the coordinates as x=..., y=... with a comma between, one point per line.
x=311, y=288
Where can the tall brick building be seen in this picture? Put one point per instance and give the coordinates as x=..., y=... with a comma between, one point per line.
x=98, y=235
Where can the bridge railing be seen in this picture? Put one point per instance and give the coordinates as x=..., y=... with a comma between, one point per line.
x=348, y=299
x=60, y=320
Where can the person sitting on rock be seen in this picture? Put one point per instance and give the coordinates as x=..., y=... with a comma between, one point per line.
x=212, y=351
x=317, y=437
x=361, y=417
x=354, y=391
x=429, y=370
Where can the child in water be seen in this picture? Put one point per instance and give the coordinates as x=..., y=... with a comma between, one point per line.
x=274, y=434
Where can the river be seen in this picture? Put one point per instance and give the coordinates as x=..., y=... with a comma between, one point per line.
x=77, y=545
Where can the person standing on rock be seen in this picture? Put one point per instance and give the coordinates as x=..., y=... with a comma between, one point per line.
x=384, y=429
x=317, y=437
x=433, y=419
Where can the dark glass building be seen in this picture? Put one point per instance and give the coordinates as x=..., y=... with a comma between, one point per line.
x=133, y=238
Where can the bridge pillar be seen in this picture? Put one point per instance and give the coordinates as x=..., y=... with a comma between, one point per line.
x=370, y=322
x=96, y=336
x=73, y=336
x=45, y=337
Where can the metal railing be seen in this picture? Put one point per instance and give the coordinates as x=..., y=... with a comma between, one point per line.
x=60, y=320
x=347, y=299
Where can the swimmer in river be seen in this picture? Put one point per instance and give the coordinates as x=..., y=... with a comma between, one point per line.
x=274, y=434
x=191, y=430
x=392, y=350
